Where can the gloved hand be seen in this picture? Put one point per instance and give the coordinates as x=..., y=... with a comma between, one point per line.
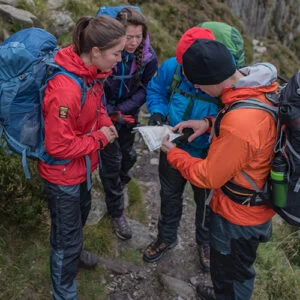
x=129, y=119
x=157, y=119
x=117, y=116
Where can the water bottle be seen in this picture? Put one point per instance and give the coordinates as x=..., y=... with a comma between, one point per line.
x=279, y=181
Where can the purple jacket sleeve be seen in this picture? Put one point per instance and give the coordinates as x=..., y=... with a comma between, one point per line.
x=132, y=104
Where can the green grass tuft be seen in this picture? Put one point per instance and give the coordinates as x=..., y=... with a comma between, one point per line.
x=99, y=238
x=91, y=284
x=137, y=208
x=131, y=255
x=277, y=276
x=24, y=263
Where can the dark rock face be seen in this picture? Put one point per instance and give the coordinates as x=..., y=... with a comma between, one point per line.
x=264, y=18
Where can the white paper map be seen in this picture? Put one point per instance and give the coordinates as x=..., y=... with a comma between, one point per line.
x=153, y=135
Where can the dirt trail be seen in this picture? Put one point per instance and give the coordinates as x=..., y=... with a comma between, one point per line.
x=175, y=275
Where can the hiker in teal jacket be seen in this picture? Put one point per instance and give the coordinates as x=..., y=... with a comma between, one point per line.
x=185, y=103
x=172, y=98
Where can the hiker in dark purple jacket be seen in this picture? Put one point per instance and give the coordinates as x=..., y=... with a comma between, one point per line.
x=125, y=92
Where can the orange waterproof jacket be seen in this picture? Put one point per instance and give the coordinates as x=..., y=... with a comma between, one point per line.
x=246, y=142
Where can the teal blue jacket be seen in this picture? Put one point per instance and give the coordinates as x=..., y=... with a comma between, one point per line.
x=175, y=106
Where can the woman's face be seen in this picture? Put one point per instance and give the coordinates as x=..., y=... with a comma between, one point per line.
x=134, y=37
x=105, y=60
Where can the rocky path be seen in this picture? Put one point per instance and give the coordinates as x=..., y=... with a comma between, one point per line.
x=177, y=273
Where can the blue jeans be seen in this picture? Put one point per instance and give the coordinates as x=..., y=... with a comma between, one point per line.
x=69, y=208
x=233, y=252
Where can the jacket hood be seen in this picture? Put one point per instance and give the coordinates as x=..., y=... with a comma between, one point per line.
x=258, y=80
x=147, y=52
x=68, y=59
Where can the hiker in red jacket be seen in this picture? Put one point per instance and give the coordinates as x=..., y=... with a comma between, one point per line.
x=76, y=133
x=243, y=144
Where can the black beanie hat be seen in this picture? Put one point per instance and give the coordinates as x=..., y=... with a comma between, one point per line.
x=208, y=62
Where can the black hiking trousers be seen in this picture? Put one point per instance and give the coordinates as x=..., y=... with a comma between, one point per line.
x=69, y=207
x=172, y=187
x=232, y=255
x=117, y=159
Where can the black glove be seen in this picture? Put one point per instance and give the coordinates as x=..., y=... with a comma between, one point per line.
x=157, y=119
x=183, y=139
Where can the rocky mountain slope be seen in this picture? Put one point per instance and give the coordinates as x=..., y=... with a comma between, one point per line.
x=271, y=18
x=274, y=22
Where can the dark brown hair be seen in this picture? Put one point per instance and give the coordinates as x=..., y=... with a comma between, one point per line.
x=102, y=32
x=129, y=16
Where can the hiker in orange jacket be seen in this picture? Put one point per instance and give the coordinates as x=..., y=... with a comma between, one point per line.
x=243, y=141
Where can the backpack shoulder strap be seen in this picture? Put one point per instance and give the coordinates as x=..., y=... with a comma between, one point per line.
x=174, y=87
x=247, y=103
x=84, y=88
x=216, y=125
x=258, y=197
x=81, y=84
x=176, y=81
x=255, y=103
x=79, y=80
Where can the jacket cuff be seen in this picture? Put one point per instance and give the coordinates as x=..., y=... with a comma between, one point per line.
x=101, y=138
x=210, y=121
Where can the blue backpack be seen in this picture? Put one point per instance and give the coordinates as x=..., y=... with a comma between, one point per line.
x=26, y=65
x=112, y=11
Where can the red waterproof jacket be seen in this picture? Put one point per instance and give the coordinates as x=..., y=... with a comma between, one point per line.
x=72, y=131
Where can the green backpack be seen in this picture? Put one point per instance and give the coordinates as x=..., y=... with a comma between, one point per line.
x=232, y=39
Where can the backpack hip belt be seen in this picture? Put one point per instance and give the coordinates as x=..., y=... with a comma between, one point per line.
x=242, y=195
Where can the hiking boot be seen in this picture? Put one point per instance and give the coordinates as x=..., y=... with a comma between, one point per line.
x=204, y=254
x=205, y=292
x=88, y=260
x=122, y=228
x=156, y=249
